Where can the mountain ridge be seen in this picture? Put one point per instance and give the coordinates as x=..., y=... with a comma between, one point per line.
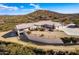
x=8, y=22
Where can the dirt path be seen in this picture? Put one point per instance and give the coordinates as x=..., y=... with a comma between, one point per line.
x=16, y=40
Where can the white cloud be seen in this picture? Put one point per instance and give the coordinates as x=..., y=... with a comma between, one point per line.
x=4, y=7
x=36, y=6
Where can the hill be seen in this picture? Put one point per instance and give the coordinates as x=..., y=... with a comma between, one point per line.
x=8, y=22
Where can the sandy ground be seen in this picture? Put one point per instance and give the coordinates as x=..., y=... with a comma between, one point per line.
x=50, y=35
x=57, y=47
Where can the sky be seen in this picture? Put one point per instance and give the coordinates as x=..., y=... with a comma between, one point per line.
x=25, y=8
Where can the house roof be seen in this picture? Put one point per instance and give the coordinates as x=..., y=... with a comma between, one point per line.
x=47, y=22
x=26, y=25
x=21, y=26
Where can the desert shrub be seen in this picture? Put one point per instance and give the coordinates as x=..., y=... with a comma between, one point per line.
x=50, y=52
x=72, y=53
x=66, y=40
x=70, y=39
x=7, y=26
x=41, y=35
x=41, y=29
x=50, y=29
x=29, y=32
x=77, y=51
x=17, y=49
x=76, y=21
x=39, y=51
x=60, y=53
x=36, y=29
x=74, y=40
x=8, y=48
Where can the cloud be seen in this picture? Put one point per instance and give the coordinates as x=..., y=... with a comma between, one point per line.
x=36, y=6
x=4, y=7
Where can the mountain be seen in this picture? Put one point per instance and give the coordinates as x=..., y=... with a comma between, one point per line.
x=8, y=22
x=49, y=15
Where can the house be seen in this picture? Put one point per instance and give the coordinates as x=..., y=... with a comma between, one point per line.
x=41, y=24
x=48, y=25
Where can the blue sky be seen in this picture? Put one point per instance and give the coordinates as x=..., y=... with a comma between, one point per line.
x=25, y=8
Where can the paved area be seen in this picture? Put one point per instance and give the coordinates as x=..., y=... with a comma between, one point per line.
x=71, y=31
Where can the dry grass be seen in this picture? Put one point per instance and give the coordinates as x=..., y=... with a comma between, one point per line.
x=50, y=35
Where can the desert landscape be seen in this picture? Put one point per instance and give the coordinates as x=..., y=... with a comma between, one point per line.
x=42, y=46
x=42, y=31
